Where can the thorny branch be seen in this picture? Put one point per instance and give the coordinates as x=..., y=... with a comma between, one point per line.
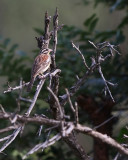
x=65, y=129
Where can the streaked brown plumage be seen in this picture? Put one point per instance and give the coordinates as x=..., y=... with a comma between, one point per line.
x=41, y=64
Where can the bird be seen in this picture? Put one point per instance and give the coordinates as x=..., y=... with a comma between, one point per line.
x=41, y=64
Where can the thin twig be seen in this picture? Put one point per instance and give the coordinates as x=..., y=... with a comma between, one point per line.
x=35, y=97
x=2, y=109
x=44, y=145
x=83, y=58
x=40, y=130
x=96, y=127
x=10, y=139
x=92, y=44
x=7, y=129
x=100, y=71
x=20, y=93
x=26, y=100
x=55, y=25
x=76, y=113
x=117, y=155
x=58, y=103
x=103, y=137
x=69, y=100
x=48, y=129
x=5, y=138
x=10, y=89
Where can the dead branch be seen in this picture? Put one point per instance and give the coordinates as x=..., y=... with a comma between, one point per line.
x=10, y=89
x=105, y=82
x=10, y=139
x=74, y=110
x=69, y=126
x=35, y=97
x=5, y=138
x=7, y=129
x=58, y=103
x=96, y=63
x=44, y=145
x=83, y=58
x=102, y=137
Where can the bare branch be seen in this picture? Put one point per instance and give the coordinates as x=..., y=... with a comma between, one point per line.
x=68, y=130
x=55, y=25
x=2, y=109
x=83, y=58
x=38, y=119
x=26, y=100
x=7, y=129
x=40, y=130
x=10, y=139
x=58, y=103
x=116, y=157
x=44, y=145
x=77, y=85
x=76, y=113
x=40, y=85
x=20, y=93
x=48, y=129
x=100, y=71
x=92, y=44
x=10, y=89
x=103, y=137
x=5, y=138
x=96, y=127
x=69, y=100
x=35, y=97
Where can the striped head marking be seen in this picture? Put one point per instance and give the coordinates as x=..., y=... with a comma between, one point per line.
x=45, y=51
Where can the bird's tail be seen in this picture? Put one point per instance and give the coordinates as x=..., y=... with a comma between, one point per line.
x=30, y=84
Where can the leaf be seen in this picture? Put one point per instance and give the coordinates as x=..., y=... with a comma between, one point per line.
x=105, y=35
x=124, y=22
x=89, y=20
x=12, y=49
x=93, y=24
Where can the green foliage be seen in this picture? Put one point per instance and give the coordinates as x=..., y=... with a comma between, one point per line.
x=114, y=4
x=124, y=22
x=12, y=61
x=121, y=138
x=91, y=22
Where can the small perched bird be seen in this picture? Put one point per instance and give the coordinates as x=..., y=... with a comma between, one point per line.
x=41, y=64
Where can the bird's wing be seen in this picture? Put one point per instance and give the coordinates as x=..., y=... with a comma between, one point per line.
x=41, y=61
